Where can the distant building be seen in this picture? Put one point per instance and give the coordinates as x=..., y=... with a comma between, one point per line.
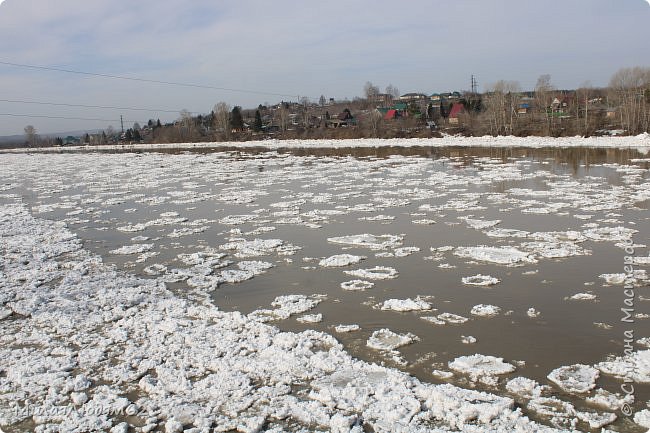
x=412, y=96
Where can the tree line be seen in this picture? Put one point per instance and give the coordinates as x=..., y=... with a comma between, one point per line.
x=502, y=109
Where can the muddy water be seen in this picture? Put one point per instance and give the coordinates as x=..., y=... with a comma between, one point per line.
x=97, y=194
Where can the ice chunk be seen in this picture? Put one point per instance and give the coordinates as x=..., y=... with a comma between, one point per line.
x=583, y=297
x=468, y=339
x=346, y=328
x=524, y=387
x=407, y=304
x=385, y=339
x=608, y=400
x=635, y=366
x=610, y=234
x=374, y=242
x=642, y=418
x=532, y=313
x=133, y=249
x=376, y=273
x=340, y=260
x=359, y=285
x=310, y=318
x=577, y=378
x=444, y=318
x=499, y=255
x=477, y=366
x=480, y=280
x=485, y=310
x=255, y=266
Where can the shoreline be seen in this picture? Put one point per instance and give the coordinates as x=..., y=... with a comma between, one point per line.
x=639, y=142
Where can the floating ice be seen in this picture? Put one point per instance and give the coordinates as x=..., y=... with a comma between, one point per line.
x=376, y=273
x=385, y=339
x=532, y=313
x=608, y=400
x=258, y=247
x=255, y=266
x=524, y=387
x=407, y=304
x=236, y=275
x=374, y=242
x=133, y=249
x=485, y=310
x=310, y=318
x=479, y=224
x=359, y=285
x=610, y=234
x=635, y=366
x=340, y=260
x=346, y=328
x=480, y=280
x=445, y=318
x=477, y=366
x=467, y=339
x=499, y=255
x=577, y=378
x=642, y=418
x=583, y=297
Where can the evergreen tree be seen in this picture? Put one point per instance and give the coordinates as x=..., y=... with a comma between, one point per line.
x=129, y=135
x=136, y=135
x=257, y=126
x=158, y=125
x=86, y=138
x=236, y=120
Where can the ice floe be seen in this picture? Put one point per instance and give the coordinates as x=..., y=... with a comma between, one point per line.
x=357, y=285
x=385, y=339
x=376, y=273
x=485, y=310
x=374, y=242
x=499, y=255
x=340, y=260
x=407, y=304
x=480, y=280
x=479, y=366
x=577, y=378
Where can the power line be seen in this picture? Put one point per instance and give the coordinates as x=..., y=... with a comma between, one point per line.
x=142, y=80
x=107, y=107
x=35, y=116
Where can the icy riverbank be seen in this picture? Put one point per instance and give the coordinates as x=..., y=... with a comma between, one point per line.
x=86, y=347
x=640, y=142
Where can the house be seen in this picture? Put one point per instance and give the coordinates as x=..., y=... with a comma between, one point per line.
x=71, y=141
x=456, y=110
x=391, y=114
x=523, y=108
x=412, y=96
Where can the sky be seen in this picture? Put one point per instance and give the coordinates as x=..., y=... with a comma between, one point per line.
x=248, y=52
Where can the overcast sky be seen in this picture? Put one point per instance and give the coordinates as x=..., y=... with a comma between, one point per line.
x=299, y=48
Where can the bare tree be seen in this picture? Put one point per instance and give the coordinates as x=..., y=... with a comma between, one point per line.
x=283, y=116
x=222, y=118
x=186, y=125
x=543, y=99
x=30, y=135
x=500, y=104
x=392, y=91
x=373, y=122
x=370, y=91
x=630, y=90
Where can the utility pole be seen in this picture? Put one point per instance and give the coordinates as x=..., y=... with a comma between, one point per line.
x=474, y=85
x=122, y=121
